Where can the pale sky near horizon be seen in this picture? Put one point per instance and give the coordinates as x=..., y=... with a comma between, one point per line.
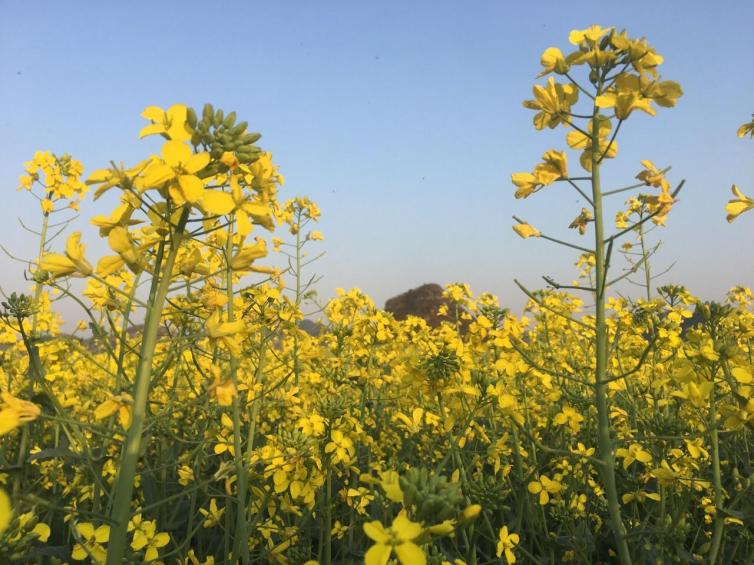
x=402, y=120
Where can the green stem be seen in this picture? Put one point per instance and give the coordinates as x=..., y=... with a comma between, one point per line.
x=719, y=523
x=645, y=264
x=124, y=484
x=240, y=544
x=23, y=443
x=604, y=439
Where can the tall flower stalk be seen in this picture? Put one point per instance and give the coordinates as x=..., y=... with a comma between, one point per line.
x=622, y=78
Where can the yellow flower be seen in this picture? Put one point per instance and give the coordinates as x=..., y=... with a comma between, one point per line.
x=223, y=388
x=178, y=167
x=590, y=35
x=92, y=541
x=740, y=204
x=14, y=412
x=544, y=487
x=120, y=241
x=625, y=98
x=171, y=123
x=554, y=103
x=526, y=230
x=6, y=511
x=341, y=447
x=213, y=515
x=225, y=332
x=72, y=263
x=607, y=150
x=316, y=236
x=569, y=417
x=121, y=403
x=506, y=544
x=634, y=92
x=642, y=56
x=120, y=217
x=553, y=61
x=398, y=538
x=652, y=176
x=554, y=166
x=244, y=257
x=747, y=128
x=526, y=183
x=640, y=496
x=635, y=452
x=247, y=209
x=581, y=221
x=147, y=538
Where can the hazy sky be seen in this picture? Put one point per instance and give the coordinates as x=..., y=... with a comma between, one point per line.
x=403, y=120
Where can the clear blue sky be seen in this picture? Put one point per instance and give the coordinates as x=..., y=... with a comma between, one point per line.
x=403, y=120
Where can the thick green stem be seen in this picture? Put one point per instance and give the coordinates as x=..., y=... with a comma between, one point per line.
x=127, y=472
x=719, y=524
x=240, y=544
x=604, y=439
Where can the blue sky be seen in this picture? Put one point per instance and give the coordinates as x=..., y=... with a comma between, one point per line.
x=403, y=120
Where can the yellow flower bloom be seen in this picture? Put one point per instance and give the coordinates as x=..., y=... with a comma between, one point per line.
x=121, y=403
x=227, y=333
x=170, y=123
x=72, y=263
x=590, y=35
x=554, y=103
x=223, y=388
x=398, y=538
x=526, y=230
x=581, y=221
x=15, y=412
x=120, y=217
x=635, y=452
x=606, y=150
x=178, y=167
x=244, y=257
x=652, y=176
x=147, y=538
x=737, y=206
x=553, y=61
x=6, y=511
x=92, y=541
x=213, y=515
x=545, y=487
x=747, y=128
x=506, y=544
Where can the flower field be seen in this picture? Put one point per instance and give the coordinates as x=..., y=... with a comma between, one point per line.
x=189, y=419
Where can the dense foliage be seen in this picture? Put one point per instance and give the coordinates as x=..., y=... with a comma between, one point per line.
x=195, y=422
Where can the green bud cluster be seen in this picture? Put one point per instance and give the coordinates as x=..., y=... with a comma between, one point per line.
x=331, y=407
x=431, y=498
x=441, y=366
x=16, y=542
x=17, y=306
x=489, y=492
x=218, y=132
x=294, y=439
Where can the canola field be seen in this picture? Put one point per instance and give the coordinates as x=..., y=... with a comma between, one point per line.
x=189, y=419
